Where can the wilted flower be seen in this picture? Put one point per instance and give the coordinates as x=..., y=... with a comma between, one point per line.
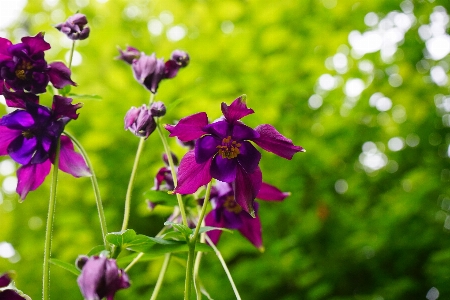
x=29, y=136
x=23, y=67
x=223, y=151
x=226, y=213
x=100, y=277
x=75, y=27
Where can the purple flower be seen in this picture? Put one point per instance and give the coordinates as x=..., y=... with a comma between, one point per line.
x=140, y=121
x=129, y=54
x=226, y=213
x=75, y=27
x=5, y=280
x=100, y=277
x=223, y=151
x=23, y=67
x=29, y=136
x=9, y=294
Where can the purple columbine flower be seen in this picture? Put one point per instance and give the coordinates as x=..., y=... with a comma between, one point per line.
x=223, y=151
x=29, y=136
x=129, y=54
x=75, y=27
x=100, y=277
x=23, y=66
x=140, y=121
x=226, y=213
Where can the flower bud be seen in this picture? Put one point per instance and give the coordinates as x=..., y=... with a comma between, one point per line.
x=140, y=121
x=75, y=27
x=180, y=57
x=158, y=109
x=129, y=54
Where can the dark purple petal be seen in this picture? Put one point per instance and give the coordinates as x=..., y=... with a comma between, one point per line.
x=92, y=277
x=191, y=175
x=205, y=148
x=143, y=67
x=237, y=110
x=248, y=157
x=223, y=169
x=171, y=69
x=140, y=121
x=246, y=187
x=22, y=149
x=268, y=192
x=152, y=81
x=19, y=98
x=30, y=177
x=36, y=43
x=63, y=107
x=4, y=45
x=189, y=128
x=243, y=132
x=75, y=27
x=233, y=219
x=70, y=161
x=6, y=137
x=129, y=54
x=158, y=109
x=18, y=119
x=41, y=152
x=60, y=75
x=220, y=129
x=273, y=141
x=5, y=280
x=210, y=220
x=11, y=295
x=251, y=229
x=180, y=57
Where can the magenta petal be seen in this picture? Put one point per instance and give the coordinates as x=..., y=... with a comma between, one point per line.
x=189, y=128
x=4, y=45
x=246, y=187
x=223, y=169
x=210, y=220
x=237, y=110
x=18, y=99
x=205, y=148
x=270, y=193
x=273, y=141
x=30, y=177
x=70, y=161
x=6, y=137
x=248, y=157
x=60, y=75
x=243, y=132
x=252, y=230
x=36, y=43
x=192, y=175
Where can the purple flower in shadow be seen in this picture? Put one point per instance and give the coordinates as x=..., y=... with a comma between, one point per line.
x=75, y=27
x=23, y=66
x=226, y=213
x=223, y=151
x=29, y=136
x=100, y=277
x=9, y=293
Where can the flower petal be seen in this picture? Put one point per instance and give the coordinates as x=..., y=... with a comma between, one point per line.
x=70, y=161
x=18, y=99
x=237, y=110
x=60, y=75
x=246, y=187
x=91, y=277
x=63, y=107
x=6, y=137
x=210, y=220
x=248, y=157
x=5, y=280
x=22, y=149
x=18, y=119
x=243, y=132
x=189, y=128
x=273, y=141
x=192, y=175
x=4, y=45
x=220, y=129
x=205, y=148
x=223, y=169
x=251, y=229
x=36, y=43
x=270, y=193
x=30, y=177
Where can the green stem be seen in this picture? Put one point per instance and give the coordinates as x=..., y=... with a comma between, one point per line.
x=224, y=265
x=98, y=198
x=172, y=169
x=192, y=242
x=126, y=215
x=162, y=273
x=72, y=49
x=49, y=227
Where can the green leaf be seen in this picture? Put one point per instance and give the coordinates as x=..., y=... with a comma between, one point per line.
x=181, y=228
x=209, y=228
x=161, y=197
x=157, y=250
x=176, y=235
x=69, y=267
x=96, y=250
x=140, y=243
x=84, y=96
x=121, y=239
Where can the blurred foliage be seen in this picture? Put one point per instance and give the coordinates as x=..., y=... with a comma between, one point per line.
x=367, y=212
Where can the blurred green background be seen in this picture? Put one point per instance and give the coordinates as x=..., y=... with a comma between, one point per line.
x=361, y=85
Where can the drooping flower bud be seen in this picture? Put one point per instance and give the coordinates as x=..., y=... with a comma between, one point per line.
x=75, y=27
x=158, y=109
x=180, y=57
x=149, y=71
x=129, y=54
x=140, y=121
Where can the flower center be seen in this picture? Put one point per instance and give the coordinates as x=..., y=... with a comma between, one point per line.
x=22, y=68
x=229, y=149
x=231, y=205
x=27, y=134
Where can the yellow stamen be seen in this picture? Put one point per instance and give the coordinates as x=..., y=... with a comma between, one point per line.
x=227, y=149
x=231, y=205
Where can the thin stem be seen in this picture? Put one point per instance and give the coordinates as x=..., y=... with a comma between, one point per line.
x=126, y=215
x=72, y=49
x=172, y=169
x=203, y=212
x=98, y=198
x=49, y=227
x=189, y=268
x=162, y=273
x=224, y=265
x=198, y=259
